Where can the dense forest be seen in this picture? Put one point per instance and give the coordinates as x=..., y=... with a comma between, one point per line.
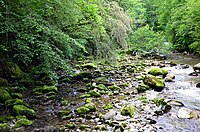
x=45, y=35
x=41, y=40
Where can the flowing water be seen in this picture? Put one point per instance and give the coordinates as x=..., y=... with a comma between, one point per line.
x=184, y=90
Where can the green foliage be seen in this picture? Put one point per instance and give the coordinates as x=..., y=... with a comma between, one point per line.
x=179, y=19
x=195, y=46
x=47, y=34
x=146, y=39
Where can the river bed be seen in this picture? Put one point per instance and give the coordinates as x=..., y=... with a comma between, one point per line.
x=183, y=89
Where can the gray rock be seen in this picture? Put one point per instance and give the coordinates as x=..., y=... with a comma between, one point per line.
x=187, y=113
x=170, y=75
x=155, y=63
x=196, y=67
x=120, y=117
x=168, y=79
x=109, y=115
x=175, y=103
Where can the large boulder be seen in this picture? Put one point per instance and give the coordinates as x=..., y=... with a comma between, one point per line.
x=156, y=71
x=153, y=82
x=196, y=67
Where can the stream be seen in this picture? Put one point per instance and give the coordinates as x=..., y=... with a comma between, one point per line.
x=183, y=89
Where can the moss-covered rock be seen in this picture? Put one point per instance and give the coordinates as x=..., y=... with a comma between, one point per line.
x=67, y=116
x=114, y=87
x=94, y=93
x=47, y=89
x=91, y=106
x=159, y=101
x=17, y=95
x=70, y=126
x=142, y=87
x=66, y=79
x=85, y=96
x=4, y=127
x=101, y=87
x=12, y=102
x=51, y=97
x=82, y=110
x=19, y=117
x=6, y=118
x=89, y=66
x=44, y=89
x=10, y=69
x=88, y=100
x=101, y=79
x=3, y=82
x=164, y=106
x=153, y=82
x=108, y=106
x=4, y=95
x=81, y=75
x=158, y=71
x=62, y=113
x=23, y=110
x=143, y=99
x=23, y=122
x=17, y=89
x=128, y=110
x=50, y=93
x=64, y=102
x=84, y=127
x=101, y=127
